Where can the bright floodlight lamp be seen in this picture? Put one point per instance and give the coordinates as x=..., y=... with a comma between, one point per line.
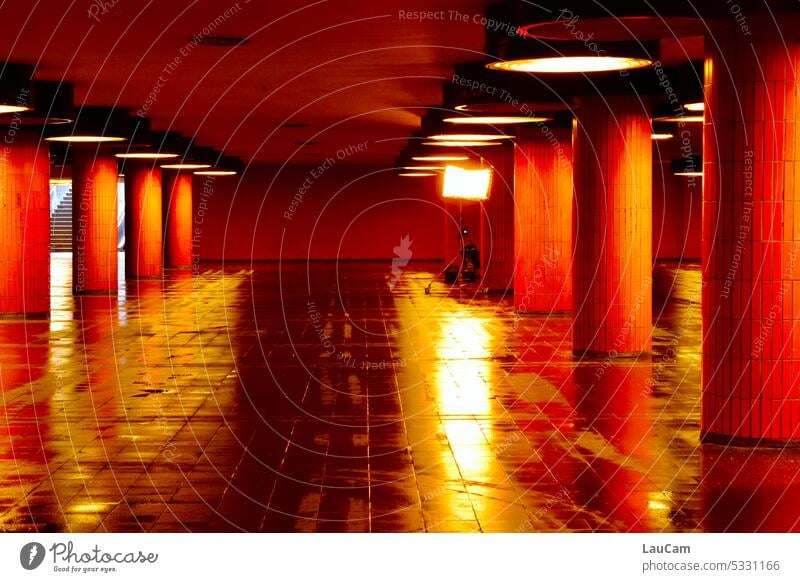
x=94, y=125
x=16, y=88
x=463, y=184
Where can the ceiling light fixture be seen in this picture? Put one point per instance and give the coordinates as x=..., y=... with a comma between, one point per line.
x=84, y=138
x=415, y=174
x=661, y=136
x=571, y=64
x=699, y=106
x=215, y=173
x=496, y=120
x=145, y=156
x=5, y=109
x=469, y=137
x=461, y=144
x=680, y=119
x=440, y=158
x=186, y=166
x=423, y=168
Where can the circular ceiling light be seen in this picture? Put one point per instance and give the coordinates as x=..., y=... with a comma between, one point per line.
x=5, y=109
x=461, y=144
x=680, y=119
x=145, y=156
x=571, y=64
x=84, y=138
x=700, y=106
x=661, y=136
x=186, y=166
x=468, y=137
x=215, y=173
x=416, y=174
x=496, y=120
x=692, y=174
x=440, y=158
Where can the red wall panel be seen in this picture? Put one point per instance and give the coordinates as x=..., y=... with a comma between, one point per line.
x=310, y=212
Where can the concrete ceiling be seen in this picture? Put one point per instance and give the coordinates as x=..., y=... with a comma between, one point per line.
x=354, y=72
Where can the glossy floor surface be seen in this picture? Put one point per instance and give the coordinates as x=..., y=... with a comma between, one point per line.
x=324, y=398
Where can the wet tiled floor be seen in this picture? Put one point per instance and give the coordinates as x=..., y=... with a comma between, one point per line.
x=319, y=398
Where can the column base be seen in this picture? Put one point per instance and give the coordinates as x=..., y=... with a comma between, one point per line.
x=96, y=292
x=35, y=315
x=748, y=442
x=598, y=354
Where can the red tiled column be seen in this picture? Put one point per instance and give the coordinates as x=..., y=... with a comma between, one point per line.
x=24, y=224
x=178, y=220
x=143, y=220
x=543, y=198
x=497, y=225
x=612, y=272
x=751, y=234
x=94, y=220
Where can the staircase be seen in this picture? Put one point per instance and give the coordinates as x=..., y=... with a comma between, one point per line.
x=61, y=226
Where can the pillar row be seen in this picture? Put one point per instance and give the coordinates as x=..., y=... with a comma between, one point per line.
x=612, y=272
x=24, y=224
x=143, y=220
x=178, y=220
x=94, y=220
x=543, y=220
x=751, y=234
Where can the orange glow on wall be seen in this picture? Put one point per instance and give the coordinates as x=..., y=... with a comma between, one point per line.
x=612, y=272
x=143, y=220
x=543, y=229
x=94, y=220
x=178, y=220
x=24, y=225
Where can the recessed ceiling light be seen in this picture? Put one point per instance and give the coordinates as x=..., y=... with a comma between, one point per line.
x=468, y=137
x=661, y=136
x=424, y=168
x=440, y=158
x=186, y=166
x=84, y=138
x=583, y=64
x=215, y=173
x=496, y=120
x=461, y=144
x=145, y=156
x=689, y=174
x=416, y=174
x=700, y=106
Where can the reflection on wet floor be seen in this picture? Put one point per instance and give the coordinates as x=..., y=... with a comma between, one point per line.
x=321, y=399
